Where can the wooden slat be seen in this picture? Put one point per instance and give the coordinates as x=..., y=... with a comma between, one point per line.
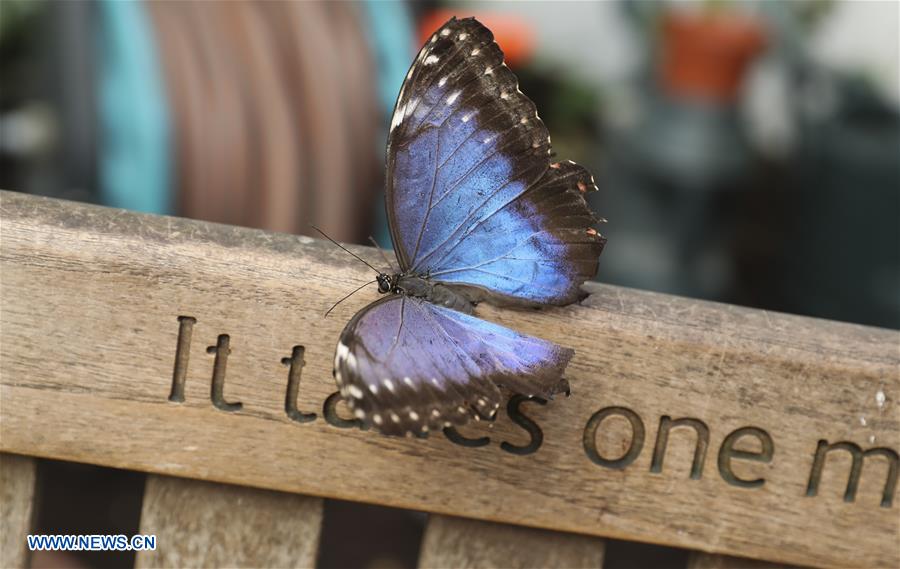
x=700, y=560
x=94, y=300
x=204, y=524
x=17, y=501
x=472, y=544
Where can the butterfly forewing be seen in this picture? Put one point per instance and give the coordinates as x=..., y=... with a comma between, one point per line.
x=471, y=193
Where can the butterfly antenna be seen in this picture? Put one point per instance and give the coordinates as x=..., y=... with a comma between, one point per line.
x=381, y=252
x=348, y=296
x=345, y=249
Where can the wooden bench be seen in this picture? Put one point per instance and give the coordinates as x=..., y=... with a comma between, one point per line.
x=198, y=353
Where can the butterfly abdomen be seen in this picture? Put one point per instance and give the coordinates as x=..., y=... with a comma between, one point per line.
x=435, y=293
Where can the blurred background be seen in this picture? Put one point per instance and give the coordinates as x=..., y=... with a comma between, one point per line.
x=746, y=152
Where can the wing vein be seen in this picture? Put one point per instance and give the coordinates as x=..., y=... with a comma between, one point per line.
x=529, y=283
x=399, y=329
x=430, y=199
x=468, y=231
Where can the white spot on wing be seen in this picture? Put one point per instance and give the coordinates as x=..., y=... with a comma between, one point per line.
x=403, y=111
x=489, y=71
x=377, y=419
x=475, y=51
x=395, y=417
x=445, y=32
x=355, y=392
x=413, y=415
x=408, y=381
x=453, y=97
x=431, y=59
x=442, y=82
x=389, y=384
x=399, y=113
x=462, y=37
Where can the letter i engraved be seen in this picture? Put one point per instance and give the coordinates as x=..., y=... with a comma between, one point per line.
x=221, y=350
x=290, y=400
x=182, y=355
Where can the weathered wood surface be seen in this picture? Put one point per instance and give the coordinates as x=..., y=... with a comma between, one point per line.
x=202, y=524
x=699, y=560
x=91, y=300
x=17, y=499
x=473, y=544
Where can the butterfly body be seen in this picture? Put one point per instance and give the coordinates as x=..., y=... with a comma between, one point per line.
x=420, y=286
x=477, y=212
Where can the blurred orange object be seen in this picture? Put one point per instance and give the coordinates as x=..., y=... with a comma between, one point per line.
x=514, y=35
x=706, y=55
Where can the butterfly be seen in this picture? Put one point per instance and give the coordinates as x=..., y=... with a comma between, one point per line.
x=477, y=212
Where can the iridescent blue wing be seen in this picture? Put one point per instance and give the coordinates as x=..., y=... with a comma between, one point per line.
x=405, y=365
x=473, y=199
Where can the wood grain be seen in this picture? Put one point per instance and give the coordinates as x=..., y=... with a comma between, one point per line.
x=473, y=544
x=17, y=498
x=707, y=561
x=90, y=302
x=201, y=524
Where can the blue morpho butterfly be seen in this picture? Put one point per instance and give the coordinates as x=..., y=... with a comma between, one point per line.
x=477, y=211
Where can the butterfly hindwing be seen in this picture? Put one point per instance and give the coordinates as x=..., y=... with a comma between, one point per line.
x=473, y=198
x=405, y=365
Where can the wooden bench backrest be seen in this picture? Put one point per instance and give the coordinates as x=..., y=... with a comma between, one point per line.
x=207, y=524
x=199, y=351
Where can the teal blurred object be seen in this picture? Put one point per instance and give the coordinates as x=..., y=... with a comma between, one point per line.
x=391, y=37
x=135, y=158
